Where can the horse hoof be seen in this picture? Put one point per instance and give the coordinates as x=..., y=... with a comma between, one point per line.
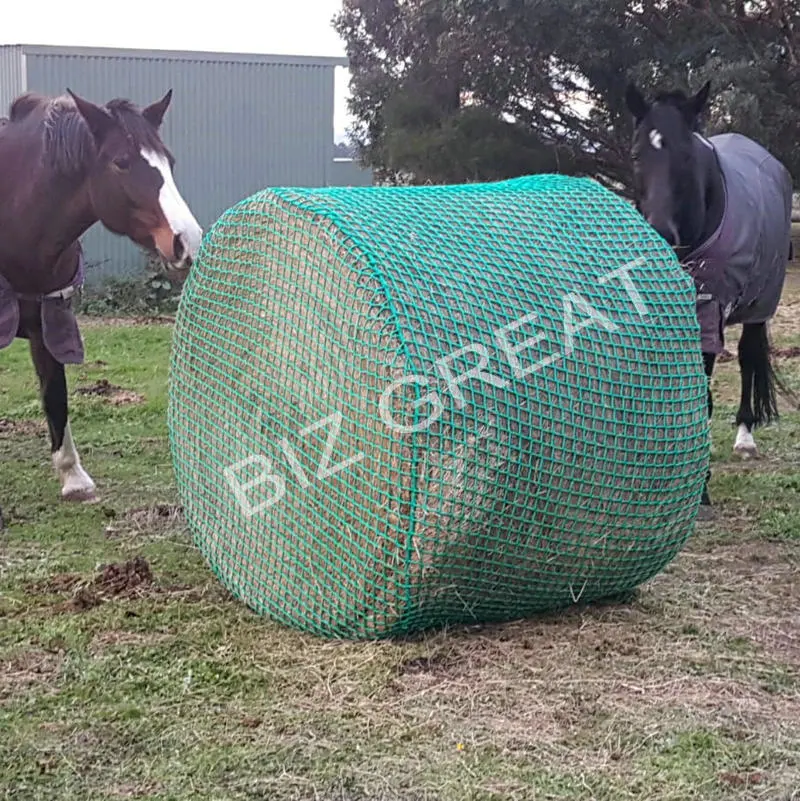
x=746, y=450
x=79, y=495
x=76, y=485
x=745, y=445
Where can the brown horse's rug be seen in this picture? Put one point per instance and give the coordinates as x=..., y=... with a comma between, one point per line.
x=739, y=271
x=62, y=337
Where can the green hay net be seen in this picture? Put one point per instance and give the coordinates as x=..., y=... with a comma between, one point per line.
x=547, y=443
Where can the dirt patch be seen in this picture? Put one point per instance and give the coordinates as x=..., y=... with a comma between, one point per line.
x=35, y=668
x=21, y=428
x=130, y=579
x=115, y=395
x=56, y=584
x=787, y=353
x=123, y=577
x=751, y=779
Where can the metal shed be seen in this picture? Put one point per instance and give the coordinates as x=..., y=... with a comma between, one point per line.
x=237, y=123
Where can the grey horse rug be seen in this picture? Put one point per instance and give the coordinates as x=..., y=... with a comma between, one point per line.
x=59, y=326
x=739, y=271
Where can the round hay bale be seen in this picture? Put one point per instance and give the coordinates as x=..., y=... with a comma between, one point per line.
x=398, y=407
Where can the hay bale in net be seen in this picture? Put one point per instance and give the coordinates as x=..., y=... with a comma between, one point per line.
x=397, y=407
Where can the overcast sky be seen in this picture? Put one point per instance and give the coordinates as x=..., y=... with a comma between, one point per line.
x=297, y=27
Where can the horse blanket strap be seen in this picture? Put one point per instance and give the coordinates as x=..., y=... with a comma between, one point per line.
x=59, y=327
x=739, y=270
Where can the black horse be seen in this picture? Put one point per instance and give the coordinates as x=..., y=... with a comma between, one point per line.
x=724, y=204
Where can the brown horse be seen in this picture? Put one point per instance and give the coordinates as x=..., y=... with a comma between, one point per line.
x=65, y=164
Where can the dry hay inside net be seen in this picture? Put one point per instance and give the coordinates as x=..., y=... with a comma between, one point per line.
x=286, y=383
x=304, y=331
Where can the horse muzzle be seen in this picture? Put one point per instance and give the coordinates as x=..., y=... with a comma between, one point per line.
x=179, y=250
x=182, y=257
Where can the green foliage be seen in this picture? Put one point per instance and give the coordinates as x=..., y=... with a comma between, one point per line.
x=558, y=69
x=150, y=293
x=468, y=145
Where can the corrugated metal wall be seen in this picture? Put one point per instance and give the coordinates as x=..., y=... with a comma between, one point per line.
x=234, y=126
x=12, y=76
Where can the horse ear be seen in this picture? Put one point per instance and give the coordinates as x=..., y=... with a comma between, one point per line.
x=698, y=102
x=636, y=103
x=99, y=121
x=155, y=112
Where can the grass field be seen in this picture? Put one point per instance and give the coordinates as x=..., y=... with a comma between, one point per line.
x=127, y=671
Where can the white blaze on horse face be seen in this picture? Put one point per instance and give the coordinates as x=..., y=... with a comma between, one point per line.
x=175, y=209
x=745, y=445
x=76, y=484
x=656, y=140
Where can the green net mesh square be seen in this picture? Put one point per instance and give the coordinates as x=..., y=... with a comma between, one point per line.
x=393, y=408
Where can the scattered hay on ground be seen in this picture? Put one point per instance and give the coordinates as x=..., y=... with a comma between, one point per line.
x=28, y=670
x=156, y=515
x=114, y=394
x=153, y=522
x=104, y=640
x=22, y=428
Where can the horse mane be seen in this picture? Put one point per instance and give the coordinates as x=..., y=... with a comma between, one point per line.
x=24, y=105
x=69, y=146
x=68, y=142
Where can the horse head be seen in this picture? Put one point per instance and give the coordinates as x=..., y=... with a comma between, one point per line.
x=667, y=180
x=130, y=181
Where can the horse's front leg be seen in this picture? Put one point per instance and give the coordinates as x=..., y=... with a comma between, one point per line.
x=709, y=360
x=757, y=387
x=76, y=484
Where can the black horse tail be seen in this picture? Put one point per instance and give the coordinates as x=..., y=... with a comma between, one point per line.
x=755, y=347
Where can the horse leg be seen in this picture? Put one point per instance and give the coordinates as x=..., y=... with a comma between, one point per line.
x=708, y=363
x=758, y=403
x=76, y=484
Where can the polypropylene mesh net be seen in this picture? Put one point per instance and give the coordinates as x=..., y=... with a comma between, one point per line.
x=547, y=443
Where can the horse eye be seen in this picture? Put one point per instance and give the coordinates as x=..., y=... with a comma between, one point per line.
x=122, y=163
